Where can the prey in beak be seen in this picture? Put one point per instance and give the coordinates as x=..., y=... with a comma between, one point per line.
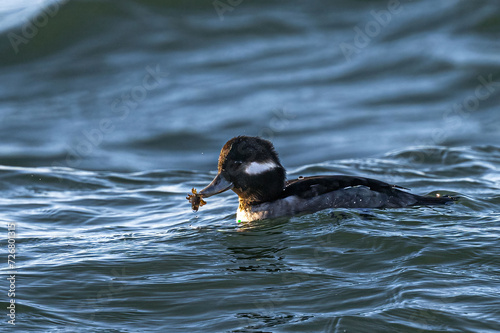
x=218, y=185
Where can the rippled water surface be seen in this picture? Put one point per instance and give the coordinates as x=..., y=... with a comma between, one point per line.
x=110, y=112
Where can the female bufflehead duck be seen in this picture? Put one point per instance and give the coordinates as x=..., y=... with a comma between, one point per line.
x=250, y=167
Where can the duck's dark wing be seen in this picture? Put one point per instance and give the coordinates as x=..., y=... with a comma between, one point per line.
x=309, y=187
x=391, y=195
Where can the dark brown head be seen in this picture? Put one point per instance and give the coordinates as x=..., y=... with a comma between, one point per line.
x=251, y=168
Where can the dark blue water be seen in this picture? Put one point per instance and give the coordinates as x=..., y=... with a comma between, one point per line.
x=110, y=112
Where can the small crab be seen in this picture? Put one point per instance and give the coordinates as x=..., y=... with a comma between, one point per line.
x=195, y=200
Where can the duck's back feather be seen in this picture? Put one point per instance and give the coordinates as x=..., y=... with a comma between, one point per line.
x=387, y=195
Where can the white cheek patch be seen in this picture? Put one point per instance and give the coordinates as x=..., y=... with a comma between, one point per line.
x=256, y=168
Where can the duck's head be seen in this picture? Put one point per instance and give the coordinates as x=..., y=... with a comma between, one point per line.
x=251, y=168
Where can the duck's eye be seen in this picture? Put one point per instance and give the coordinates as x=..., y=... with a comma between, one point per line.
x=234, y=164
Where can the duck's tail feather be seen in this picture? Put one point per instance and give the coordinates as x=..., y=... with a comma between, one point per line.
x=437, y=200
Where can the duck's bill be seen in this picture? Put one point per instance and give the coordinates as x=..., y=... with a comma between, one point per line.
x=218, y=185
